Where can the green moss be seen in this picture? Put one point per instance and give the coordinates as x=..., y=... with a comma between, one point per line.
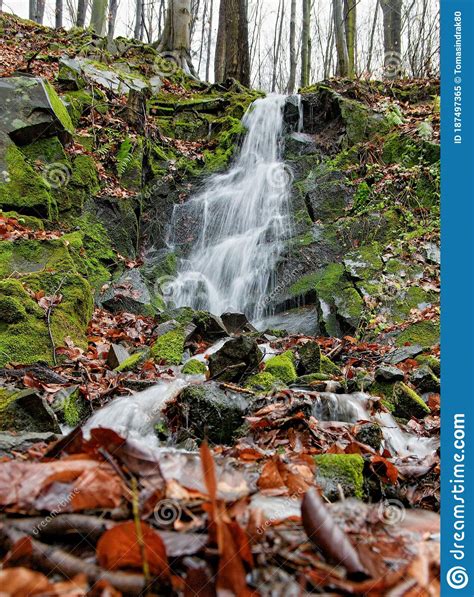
x=262, y=382
x=424, y=333
x=169, y=348
x=78, y=103
x=362, y=195
x=23, y=411
x=23, y=189
x=58, y=107
x=74, y=409
x=304, y=285
x=28, y=221
x=130, y=163
x=282, y=367
x=407, y=403
x=194, y=367
x=47, y=151
x=84, y=174
x=328, y=367
x=25, y=256
x=312, y=377
x=432, y=362
x=133, y=361
x=344, y=470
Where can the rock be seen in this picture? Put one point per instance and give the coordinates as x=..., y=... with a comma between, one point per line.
x=369, y=434
x=208, y=328
x=31, y=109
x=236, y=323
x=133, y=361
x=310, y=358
x=291, y=111
x=263, y=382
x=116, y=355
x=422, y=333
x=129, y=293
x=336, y=473
x=21, y=442
x=208, y=412
x=282, y=367
x=402, y=354
x=169, y=348
x=194, y=367
x=238, y=357
x=327, y=193
x=26, y=411
x=328, y=367
x=70, y=407
x=406, y=403
x=389, y=373
x=433, y=253
x=425, y=380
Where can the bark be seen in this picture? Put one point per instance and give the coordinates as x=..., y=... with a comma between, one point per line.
x=81, y=13
x=350, y=23
x=209, y=43
x=293, y=58
x=277, y=42
x=32, y=10
x=305, y=43
x=175, y=42
x=219, y=59
x=40, y=11
x=59, y=14
x=372, y=37
x=113, y=5
x=138, y=20
x=392, y=31
x=99, y=10
x=341, y=43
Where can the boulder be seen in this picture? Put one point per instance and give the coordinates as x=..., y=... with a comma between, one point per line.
x=209, y=412
x=31, y=109
x=425, y=380
x=310, y=358
x=238, y=357
x=338, y=474
x=116, y=356
x=26, y=411
x=21, y=442
x=129, y=293
x=236, y=323
x=402, y=354
x=369, y=434
x=207, y=328
x=389, y=373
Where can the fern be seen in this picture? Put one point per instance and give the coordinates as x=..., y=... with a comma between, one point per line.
x=124, y=157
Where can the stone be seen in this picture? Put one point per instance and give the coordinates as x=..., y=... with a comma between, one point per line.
x=21, y=442
x=208, y=411
x=282, y=367
x=129, y=293
x=116, y=355
x=310, y=358
x=236, y=323
x=26, y=411
x=238, y=357
x=340, y=473
x=31, y=109
x=425, y=380
x=70, y=407
x=369, y=434
x=208, y=328
x=406, y=403
x=389, y=373
x=402, y=354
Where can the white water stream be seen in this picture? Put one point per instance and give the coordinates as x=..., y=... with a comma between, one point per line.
x=241, y=220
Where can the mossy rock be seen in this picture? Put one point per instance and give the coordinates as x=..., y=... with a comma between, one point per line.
x=262, y=382
x=310, y=358
x=312, y=378
x=407, y=403
x=23, y=190
x=25, y=411
x=169, y=347
x=78, y=103
x=282, y=367
x=58, y=107
x=424, y=333
x=28, y=221
x=328, y=368
x=401, y=149
x=194, y=367
x=344, y=471
x=70, y=406
x=364, y=263
x=432, y=362
x=26, y=256
x=133, y=361
x=412, y=298
x=130, y=163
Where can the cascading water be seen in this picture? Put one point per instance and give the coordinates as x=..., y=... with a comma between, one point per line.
x=242, y=220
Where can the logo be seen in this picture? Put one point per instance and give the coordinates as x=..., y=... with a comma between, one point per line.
x=457, y=577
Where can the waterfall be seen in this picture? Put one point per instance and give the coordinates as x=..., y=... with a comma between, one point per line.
x=239, y=223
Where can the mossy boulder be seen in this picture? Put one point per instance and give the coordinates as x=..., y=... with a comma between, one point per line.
x=282, y=367
x=133, y=361
x=401, y=400
x=340, y=473
x=263, y=382
x=423, y=333
x=70, y=406
x=309, y=358
x=237, y=358
x=329, y=368
x=208, y=412
x=26, y=411
x=194, y=367
x=168, y=348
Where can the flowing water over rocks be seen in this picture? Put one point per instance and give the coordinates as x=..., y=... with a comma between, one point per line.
x=241, y=219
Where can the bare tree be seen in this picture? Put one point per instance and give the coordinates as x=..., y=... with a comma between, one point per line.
x=81, y=12
x=233, y=42
x=277, y=42
x=372, y=36
x=138, y=33
x=98, y=16
x=350, y=21
x=113, y=5
x=293, y=59
x=392, y=33
x=58, y=14
x=341, y=42
x=209, y=42
x=306, y=43
x=175, y=42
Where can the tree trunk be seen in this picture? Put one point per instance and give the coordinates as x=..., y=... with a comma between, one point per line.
x=372, y=37
x=219, y=59
x=392, y=32
x=277, y=42
x=81, y=13
x=38, y=11
x=32, y=10
x=59, y=14
x=305, y=43
x=350, y=24
x=341, y=43
x=138, y=20
x=209, y=43
x=113, y=4
x=293, y=58
x=175, y=42
x=99, y=10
